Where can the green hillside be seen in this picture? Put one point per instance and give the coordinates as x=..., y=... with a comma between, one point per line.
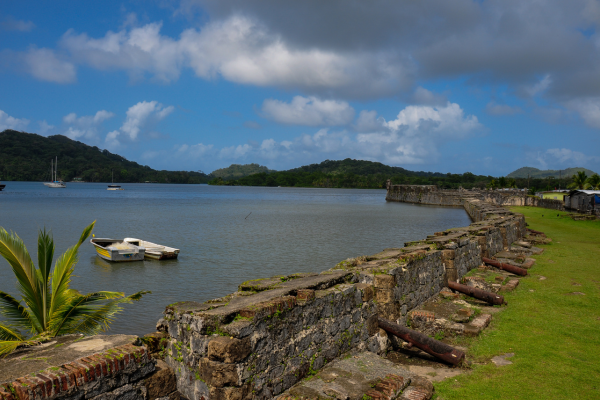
x=538, y=173
x=237, y=171
x=360, y=167
x=26, y=157
x=350, y=173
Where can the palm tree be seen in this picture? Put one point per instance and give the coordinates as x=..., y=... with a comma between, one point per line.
x=594, y=181
x=580, y=180
x=49, y=307
x=512, y=183
x=493, y=184
x=502, y=182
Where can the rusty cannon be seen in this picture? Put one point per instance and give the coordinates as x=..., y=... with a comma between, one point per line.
x=429, y=345
x=488, y=297
x=506, y=267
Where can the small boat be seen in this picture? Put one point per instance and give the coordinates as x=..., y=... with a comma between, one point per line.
x=112, y=186
x=153, y=250
x=2, y=187
x=55, y=183
x=117, y=250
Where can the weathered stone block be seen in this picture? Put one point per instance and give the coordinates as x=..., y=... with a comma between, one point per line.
x=367, y=291
x=384, y=295
x=218, y=374
x=228, y=350
x=448, y=255
x=385, y=281
x=162, y=382
x=305, y=295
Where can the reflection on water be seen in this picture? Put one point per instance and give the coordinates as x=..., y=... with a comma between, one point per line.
x=289, y=230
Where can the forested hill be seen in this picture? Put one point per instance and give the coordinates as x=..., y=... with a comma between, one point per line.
x=26, y=157
x=361, y=167
x=525, y=172
x=350, y=173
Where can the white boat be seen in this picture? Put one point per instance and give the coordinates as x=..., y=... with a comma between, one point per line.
x=112, y=186
x=55, y=183
x=153, y=250
x=117, y=250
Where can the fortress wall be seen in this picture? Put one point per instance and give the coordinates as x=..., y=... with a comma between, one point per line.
x=261, y=340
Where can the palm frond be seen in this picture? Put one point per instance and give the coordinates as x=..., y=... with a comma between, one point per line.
x=45, y=256
x=16, y=314
x=7, y=332
x=79, y=306
x=63, y=269
x=14, y=251
x=11, y=339
x=92, y=313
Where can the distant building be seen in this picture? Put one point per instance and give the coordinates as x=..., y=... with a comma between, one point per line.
x=554, y=194
x=583, y=200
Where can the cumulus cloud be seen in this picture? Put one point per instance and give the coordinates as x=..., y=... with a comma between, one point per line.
x=568, y=156
x=140, y=116
x=10, y=23
x=44, y=65
x=310, y=111
x=8, y=122
x=45, y=127
x=588, y=109
x=413, y=137
x=493, y=108
x=243, y=50
x=84, y=127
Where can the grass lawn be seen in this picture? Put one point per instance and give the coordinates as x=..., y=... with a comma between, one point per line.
x=555, y=335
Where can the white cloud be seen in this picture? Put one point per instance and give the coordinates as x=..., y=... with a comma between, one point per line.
x=567, y=156
x=45, y=127
x=44, y=65
x=8, y=122
x=241, y=50
x=140, y=116
x=540, y=86
x=412, y=138
x=588, y=110
x=493, y=108
x=9, y=23
x=310, y=111
x=84, y=127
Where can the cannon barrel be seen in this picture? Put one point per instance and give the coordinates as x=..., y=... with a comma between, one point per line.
x=429, y=345
x=536, y=232
x=488, y=297
x=507, y=267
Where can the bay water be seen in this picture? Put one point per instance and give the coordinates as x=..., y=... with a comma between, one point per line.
x=227, y=235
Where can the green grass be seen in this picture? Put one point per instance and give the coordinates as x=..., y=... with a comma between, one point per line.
x=555, y=336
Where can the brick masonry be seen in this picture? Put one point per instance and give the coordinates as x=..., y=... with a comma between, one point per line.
x=115, y=373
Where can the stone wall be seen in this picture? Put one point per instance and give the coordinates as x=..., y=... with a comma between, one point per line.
x=261, y=340
x=431, y=195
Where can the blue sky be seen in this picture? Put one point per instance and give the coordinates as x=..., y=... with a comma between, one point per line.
x=479, y=86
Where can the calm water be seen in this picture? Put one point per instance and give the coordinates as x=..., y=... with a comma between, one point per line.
x=226, y=235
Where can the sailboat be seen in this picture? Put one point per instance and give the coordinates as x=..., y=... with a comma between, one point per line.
x=112, y=186
x=55, y=183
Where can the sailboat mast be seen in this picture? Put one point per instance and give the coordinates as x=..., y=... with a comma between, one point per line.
x=51, y=169
x=56, y=170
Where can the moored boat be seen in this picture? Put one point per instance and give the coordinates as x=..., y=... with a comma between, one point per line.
x=54, y=181
x=153, y=250
x=2, y=187
x=117, y=250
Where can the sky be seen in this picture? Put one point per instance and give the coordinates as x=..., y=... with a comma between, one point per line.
x=445, y=86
